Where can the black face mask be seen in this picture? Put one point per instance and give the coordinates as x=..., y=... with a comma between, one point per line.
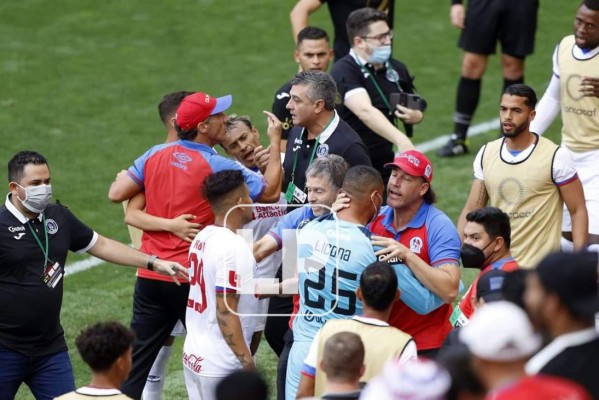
x=472, y=256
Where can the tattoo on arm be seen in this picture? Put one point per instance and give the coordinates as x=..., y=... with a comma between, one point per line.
x=242, y=359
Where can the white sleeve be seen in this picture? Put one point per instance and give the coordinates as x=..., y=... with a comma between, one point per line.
x=409, y=353
x=563, y=168
x=477, y=165
x=548, y=108
x=549, y=105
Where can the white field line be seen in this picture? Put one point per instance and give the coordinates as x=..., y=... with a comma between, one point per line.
x=424, y=147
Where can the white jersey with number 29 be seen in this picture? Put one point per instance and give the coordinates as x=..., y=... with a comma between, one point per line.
x=219, y=261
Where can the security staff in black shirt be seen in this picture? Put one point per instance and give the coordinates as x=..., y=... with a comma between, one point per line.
x=35, y=237
x=368, y=80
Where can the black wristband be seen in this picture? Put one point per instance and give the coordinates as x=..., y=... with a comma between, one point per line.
x=151, y=262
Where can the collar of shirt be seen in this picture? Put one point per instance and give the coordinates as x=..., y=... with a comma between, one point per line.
x=558, y=345
x=498, y=264
x=196, y=146
x=581, y=54
x=14, y=211
x=92, y=391
x=326, y=134
x=416, y=222
x=370, y=321
x=364, y=63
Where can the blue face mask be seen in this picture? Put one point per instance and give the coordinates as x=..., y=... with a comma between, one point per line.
x=380, y=54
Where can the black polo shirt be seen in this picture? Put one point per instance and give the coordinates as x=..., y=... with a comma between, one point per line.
x=30, y=310
x=279, y=109
x=349, y=75
x=338, y=138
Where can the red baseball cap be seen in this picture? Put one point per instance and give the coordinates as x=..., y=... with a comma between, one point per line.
x=414, y=163
x=197, y=107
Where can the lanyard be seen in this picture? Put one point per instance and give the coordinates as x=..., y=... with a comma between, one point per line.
x=39, y=242
x=316, y=143
x=376, y=84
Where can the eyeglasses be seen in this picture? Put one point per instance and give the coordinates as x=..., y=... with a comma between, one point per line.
x=381, y=38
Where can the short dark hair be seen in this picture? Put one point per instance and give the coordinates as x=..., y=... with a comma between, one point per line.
x=242, y=385
x=360, y=179
x=102, y=343
x=321, y=86
x=343, y=357
x=17, y=163
x=495, y=222
x=591, y=4
x=378, y=284
x=169, y=104
x=525, y=91
x=359, y=21
x=312, y=33
x=217, y=186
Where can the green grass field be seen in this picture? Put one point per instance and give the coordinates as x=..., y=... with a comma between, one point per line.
x=80, y=82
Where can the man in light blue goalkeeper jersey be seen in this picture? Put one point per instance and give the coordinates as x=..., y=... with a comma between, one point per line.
x=333, y=251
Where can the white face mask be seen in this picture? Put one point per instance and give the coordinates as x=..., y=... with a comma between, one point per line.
x=380, y=54
x=36, y=197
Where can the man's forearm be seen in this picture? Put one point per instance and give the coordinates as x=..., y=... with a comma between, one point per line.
x=230, y=327
x=437, y=280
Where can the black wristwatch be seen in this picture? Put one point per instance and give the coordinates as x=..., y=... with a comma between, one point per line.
x=151, y=262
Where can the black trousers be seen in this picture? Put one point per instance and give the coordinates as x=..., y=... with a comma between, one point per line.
x=157, y=306
x=282, y=365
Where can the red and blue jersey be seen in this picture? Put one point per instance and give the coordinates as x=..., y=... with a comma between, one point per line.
x=505, y=264
x=171, y=176
x=432, y=236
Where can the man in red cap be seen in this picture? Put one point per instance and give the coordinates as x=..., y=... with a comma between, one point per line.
x=414, y=233
x=172, y=176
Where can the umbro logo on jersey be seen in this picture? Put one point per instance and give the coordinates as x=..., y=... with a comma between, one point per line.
x=182, y=157
x=282, y=95
x=19, y=236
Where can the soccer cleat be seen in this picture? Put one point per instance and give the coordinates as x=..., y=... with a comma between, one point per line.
x=453, y=148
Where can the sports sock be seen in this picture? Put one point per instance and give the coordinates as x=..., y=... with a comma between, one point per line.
x=467, y=98
x=155, y=381
x=509, y=82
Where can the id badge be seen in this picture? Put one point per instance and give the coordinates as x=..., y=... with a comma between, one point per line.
x=289, y=193
x=52, y=274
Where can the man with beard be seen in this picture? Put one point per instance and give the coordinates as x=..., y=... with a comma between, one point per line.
x=574, y=88
x=561, y=299
x=529, y=178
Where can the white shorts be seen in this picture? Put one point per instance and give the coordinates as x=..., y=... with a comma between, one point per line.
x=179, y=329
x=200, y=387
x=587, y=167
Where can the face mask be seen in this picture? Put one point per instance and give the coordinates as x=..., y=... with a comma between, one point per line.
x=376, y=209
x=36, y=197
x=472, y=256
x=380, y=54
